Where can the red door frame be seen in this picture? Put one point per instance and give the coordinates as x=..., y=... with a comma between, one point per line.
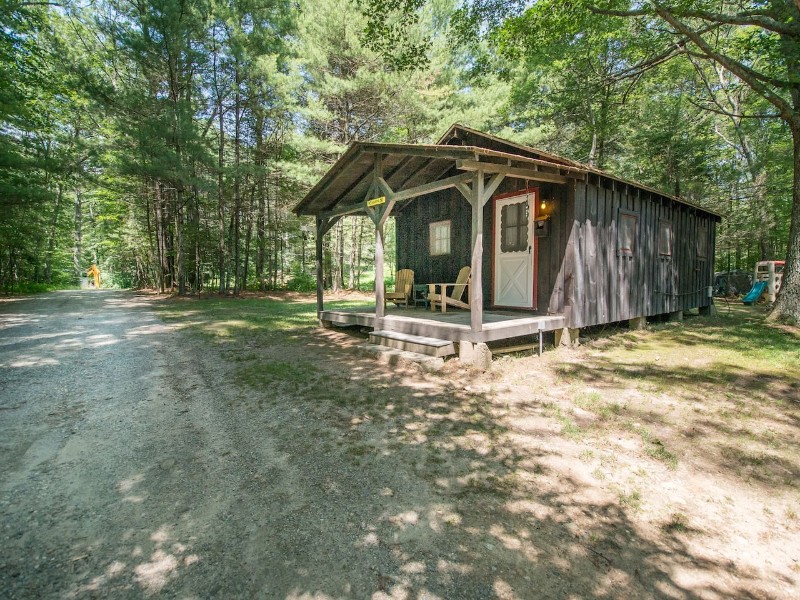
x=535, y=192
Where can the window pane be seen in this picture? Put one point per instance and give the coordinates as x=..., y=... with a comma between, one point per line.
x=665, y=238
x=514, y=227
x=627, y=233
x=439, y=238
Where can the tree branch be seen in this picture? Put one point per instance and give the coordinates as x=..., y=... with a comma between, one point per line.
x=752, y=78
x=755, y=19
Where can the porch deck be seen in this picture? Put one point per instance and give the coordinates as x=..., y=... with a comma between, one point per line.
x=452, y=326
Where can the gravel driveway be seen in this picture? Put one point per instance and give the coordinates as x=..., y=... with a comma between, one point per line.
x=129, y=469
x=133, y=465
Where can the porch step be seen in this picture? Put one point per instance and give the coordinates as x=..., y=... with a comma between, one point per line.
x=412, y=343
x=394, y=357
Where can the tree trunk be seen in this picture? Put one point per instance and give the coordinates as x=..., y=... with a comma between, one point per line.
x=787, y=305
x=351, y=275
x=180, y=258
x=360, y=252
x=51, y=237
x=222, y=246
x=76, y=251
x=248, y=237
x=261, y=238
x=161, y=240
x=338, y=258
x=237, y=199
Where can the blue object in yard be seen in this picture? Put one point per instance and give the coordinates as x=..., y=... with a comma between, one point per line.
x=755, y=292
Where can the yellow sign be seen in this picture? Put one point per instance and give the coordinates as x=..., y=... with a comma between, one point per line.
x=376, y=201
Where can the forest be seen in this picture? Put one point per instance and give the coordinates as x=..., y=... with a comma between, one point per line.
x=166, y=141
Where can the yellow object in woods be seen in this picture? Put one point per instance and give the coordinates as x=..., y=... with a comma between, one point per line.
x=95, y=272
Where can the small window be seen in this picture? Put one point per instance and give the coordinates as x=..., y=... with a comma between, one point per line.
x=628, y=223
x=514, y=227
x=440, y=238
x=665, y=238
x=702, y=241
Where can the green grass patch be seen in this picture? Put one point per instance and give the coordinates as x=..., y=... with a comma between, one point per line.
x=264, y=374
x=632, y=499
x=652, y=446
x=228, y=317
x=569, y=427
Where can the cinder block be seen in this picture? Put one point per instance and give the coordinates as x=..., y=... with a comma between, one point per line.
x=637, y=323
x=482, y=357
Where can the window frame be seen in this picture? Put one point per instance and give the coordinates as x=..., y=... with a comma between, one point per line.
x=433, y=250
x=701, y=245
x=670, y=238
x=522, y=229
x=622, y=215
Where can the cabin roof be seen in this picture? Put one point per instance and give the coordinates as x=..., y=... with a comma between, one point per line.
x=405, y=166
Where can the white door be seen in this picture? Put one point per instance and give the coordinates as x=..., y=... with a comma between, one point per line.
x=513, y=251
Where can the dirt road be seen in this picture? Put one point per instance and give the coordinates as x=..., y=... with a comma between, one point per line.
x=133, y=465
x=128, y=470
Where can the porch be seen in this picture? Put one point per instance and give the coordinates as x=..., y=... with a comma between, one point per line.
x=453, y=326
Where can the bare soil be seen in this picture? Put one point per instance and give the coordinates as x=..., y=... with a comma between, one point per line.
x=204, y=456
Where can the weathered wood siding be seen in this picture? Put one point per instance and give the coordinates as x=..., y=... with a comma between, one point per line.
x=580, y=272
x=609, y=286
x=413, y=236
x=553, y=271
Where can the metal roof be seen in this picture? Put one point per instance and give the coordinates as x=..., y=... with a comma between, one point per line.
x=408, y=165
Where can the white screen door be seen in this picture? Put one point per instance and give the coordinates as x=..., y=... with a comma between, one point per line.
x=513, y=251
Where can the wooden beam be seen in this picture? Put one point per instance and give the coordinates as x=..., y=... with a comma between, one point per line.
x=465, y=190
x=384, y=214
x=491, y=188
x=401, y=196
x=348, y=209
x=384, y=188
x=476, y=283
x=428, y=188
x=518, y=172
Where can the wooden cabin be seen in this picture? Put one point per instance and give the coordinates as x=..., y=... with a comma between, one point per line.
x=554, y=245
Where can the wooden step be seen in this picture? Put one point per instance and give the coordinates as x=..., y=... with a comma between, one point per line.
x=412, y=343
x=394, y=357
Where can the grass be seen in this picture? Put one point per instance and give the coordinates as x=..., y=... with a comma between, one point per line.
x=569, y=427
x=36, y=288
x=222, y=318
x=652, y=446
x=678, y=523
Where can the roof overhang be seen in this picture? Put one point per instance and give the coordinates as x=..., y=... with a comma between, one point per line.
x=407, y=171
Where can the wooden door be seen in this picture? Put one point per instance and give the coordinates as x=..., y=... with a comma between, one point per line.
x=514, y=251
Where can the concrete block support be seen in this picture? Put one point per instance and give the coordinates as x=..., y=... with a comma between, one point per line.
x=637, y=323
x=482, y=357
x=709, y=310
x=466, y=352
x=675, y=317
x=567, y=336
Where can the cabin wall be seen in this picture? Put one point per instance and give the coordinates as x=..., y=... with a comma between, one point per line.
x=413, y=236
x=609, y=286
x=553, y=273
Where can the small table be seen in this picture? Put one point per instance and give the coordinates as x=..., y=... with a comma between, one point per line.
x=419, y=294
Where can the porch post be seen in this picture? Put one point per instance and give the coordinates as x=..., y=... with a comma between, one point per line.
x=379, y=285
x=476, y=283
x=320, y=274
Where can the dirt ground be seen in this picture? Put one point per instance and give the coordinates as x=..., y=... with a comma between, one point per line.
x=145, y=454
